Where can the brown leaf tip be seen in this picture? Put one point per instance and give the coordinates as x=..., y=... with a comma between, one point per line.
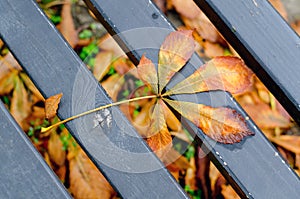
x=234, y=128
x=51, y=105
x=177, y=38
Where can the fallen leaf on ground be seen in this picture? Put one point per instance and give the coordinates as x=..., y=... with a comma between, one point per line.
x=289, y=142
x=113, y=85
x=55, y=149
x=222, y=124
x=20, y=105
x=229, y=193
x=67, y=27
x=85, y=179
x=266, y=118
x=102, y=64
x=51, y=105
x=194, y=18
x=7, y=82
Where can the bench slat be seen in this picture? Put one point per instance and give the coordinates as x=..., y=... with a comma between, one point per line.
x=253, y=167
x=266, y=43
x=23, y=171
x=120, y=153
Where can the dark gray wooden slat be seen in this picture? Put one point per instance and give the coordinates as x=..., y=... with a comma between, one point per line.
x=266, y=43
x=23, y=171
x=253, y=167
x=119, y=152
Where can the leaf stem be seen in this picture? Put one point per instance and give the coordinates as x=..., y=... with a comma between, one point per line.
x=43, y=129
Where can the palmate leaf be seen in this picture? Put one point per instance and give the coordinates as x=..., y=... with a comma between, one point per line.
x=175, y=51
x=222, y=124
x=221, y=73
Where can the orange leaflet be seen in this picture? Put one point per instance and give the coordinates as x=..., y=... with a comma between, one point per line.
x=224, y=125
x=51, y=105
x=147, y=73
x=157, y=120
x=158, y=135
x=161, y=142
x=221, y=73
x=175, y=51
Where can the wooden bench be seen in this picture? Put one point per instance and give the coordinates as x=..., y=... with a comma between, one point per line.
x=253, y=167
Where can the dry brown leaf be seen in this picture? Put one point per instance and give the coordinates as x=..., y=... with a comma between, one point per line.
x=109, y=44
x=221, y=73
x=67, y=27
x=113, y=85
x=102, y=64
x=85, y=179
x=7, y=82
x=222, y=124
x=194, y=18
x=187, y=8
x=11, y=62
x=213, y=49
x=51, y=105
x=29, y=84
x=289, y=142
x=265, y=117
x=55, y=149
x=175, y=51
x=20, y=105
x=229, y=193
x=147, y=73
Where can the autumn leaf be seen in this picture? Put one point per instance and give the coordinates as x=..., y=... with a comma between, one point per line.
x=7, y=82
x=55, y=149
x=113, y=85
x=157, y=120
x=175, y=51
x=85, y=179
x=222, y=124
x=147, y=73
x=221, y=73
x=161, y=142
x=102, y=64
x=67, y=27
x=20, y=105
x=51, y=105
x=266, y=118
x=158, y=136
